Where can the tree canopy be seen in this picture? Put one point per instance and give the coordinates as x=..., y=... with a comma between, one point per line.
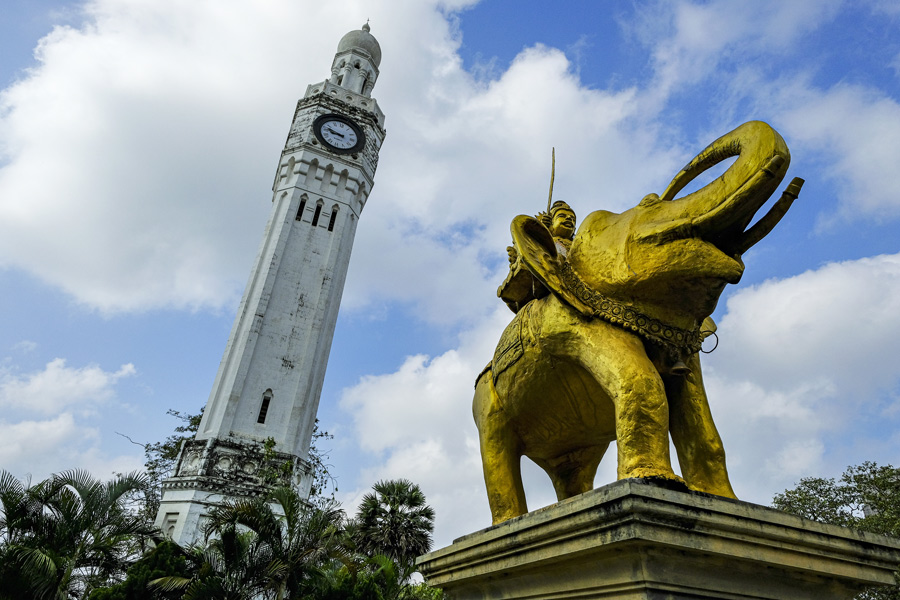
x=75, y=537
x=67, y=535
x=865, y=497
x=394, y=520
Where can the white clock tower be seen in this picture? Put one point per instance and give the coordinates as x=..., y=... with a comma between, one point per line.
x=270, y=378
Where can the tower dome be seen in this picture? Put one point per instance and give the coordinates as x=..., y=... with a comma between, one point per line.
x=363, y=40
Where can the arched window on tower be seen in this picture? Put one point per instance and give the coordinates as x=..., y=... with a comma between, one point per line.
x=318, y=212
x=326, y=177
x=264, y=407
x=302, y=208
x=312, y=171
x=361, y=195
x=334, y=211
x=289, y=172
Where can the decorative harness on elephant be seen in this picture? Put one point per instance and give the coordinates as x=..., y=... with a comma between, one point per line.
x=677, y=341
x=553, y=270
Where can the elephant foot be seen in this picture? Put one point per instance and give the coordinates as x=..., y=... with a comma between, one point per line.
x=656, y=474
x=501, y=512
x=723, y=490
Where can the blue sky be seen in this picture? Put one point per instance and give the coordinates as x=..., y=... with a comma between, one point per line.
x=138, y=142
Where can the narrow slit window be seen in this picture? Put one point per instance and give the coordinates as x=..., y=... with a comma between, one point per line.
x=316, y=215
x=264, y=407
x=301, y=209
x=332, y=219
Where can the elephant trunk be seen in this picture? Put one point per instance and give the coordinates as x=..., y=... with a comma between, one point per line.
x=721, y=210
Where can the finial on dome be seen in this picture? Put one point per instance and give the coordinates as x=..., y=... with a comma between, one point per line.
x=366, y=27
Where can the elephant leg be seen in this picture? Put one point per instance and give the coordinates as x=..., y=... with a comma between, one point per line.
x=500, y=454
x=573, y=473
x=697, y=442
x=618, y=359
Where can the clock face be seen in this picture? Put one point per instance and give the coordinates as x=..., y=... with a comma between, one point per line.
x=339, y=133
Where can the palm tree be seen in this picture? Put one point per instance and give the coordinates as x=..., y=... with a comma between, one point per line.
x=362, y=578
x=266, y=547
x=19, y=512
x=394, y=520
x=231, y=566
x=68, y=534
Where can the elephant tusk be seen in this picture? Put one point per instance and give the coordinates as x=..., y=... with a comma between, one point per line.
x=762, y=227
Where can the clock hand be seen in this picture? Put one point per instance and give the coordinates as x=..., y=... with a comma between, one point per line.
x=330, y=130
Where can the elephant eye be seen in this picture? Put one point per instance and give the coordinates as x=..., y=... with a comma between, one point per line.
x=649, y=200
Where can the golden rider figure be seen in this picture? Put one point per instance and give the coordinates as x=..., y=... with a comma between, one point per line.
x=521, y=286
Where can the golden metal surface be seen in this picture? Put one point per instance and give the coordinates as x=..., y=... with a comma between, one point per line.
x=604, y=344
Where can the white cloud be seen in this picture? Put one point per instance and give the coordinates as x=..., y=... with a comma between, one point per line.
x=418, y=420
x=853, y=129
x=25, y=346
x=152, y=175
x=39, y=448
x=459, y=165
x=842, y=319
x=765, y=429
x=145, y=127
x=58, y=387
x=33, y=438
x=57, y=425
x=885, y=7
x=690, y=40
x=857, y=130
x=804, y=379
x=133, y=176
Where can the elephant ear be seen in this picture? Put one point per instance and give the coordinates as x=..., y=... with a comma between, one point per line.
x=537, y=249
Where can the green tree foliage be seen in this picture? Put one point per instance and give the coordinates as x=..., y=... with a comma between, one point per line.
x=374, y=578
x=67, y=535
x=281, y=547
x=322, y=479
x=866, y=497
x=167, y=559
x=267, y=547
x=421, y=591
x=159, y=462
x=394, y=520
x=368, y=578
x=228, y=567
x=73, y=537
x=160, y=458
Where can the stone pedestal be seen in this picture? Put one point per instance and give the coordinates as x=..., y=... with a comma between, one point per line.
x=637, y=539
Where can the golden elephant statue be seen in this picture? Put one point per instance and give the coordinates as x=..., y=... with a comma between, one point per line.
x=611, y=352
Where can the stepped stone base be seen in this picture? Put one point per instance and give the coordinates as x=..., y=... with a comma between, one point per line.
x=637, y=539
